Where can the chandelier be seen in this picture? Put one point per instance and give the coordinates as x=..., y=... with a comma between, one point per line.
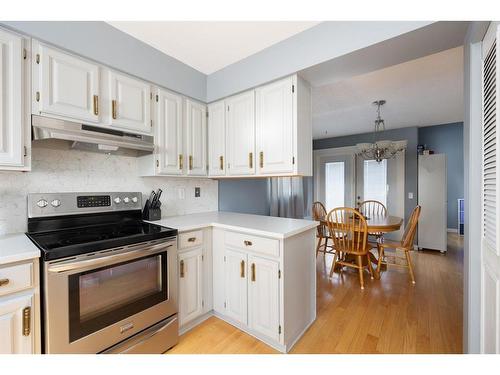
x=379, y=150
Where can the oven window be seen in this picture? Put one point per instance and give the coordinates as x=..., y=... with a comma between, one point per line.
x=101, y=297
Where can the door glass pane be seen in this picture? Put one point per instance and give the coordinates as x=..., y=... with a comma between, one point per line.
x=113, y=287
x=334, y=185
x=375, y=181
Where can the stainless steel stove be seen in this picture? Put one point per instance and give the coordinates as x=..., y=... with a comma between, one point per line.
x=109, y=280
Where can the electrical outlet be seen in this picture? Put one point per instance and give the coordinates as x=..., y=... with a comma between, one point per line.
x=197, y=192
x=410, y=195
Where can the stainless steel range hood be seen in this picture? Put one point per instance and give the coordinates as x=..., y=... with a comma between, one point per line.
x=91, y=138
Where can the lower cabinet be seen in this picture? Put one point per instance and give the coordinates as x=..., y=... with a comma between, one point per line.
x=235, y=277
x=263, y=297
x=190, y=285
x=16, y=325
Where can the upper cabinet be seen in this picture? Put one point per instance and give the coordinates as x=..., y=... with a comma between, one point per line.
x=168, y=119
x=196, y=138
x=65, y=86
x=14, y=108
x=268, y=131
x=217, y=139
x=129, y=103
x=274, y=125
x=240, y=141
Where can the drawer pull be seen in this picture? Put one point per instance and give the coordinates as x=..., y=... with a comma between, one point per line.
x=247, y=243
x=191, y=239
x=4, y=282
x=242, y=269
x=182, y=268
x=253, y=271
x=27, y=321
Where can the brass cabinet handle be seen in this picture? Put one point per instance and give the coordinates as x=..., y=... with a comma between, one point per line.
x=181, y=164
x=182, y=268
x=242, y=269
x=191, y=239
x=190, y=162
x=113, y=109
x=250, y=160
x=221, y=162
x=4, y=282
x=261, y=156
x=253, y=271
x=247, y=243
x=96, y=105
x=27, y=321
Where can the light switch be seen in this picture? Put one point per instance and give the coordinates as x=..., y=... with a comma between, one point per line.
x=197, y=192
x=181, y=193
x=410, y=195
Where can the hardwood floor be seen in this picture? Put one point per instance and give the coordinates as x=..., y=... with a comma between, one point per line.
x=388, y=316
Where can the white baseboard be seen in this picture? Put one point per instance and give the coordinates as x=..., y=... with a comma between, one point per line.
x=452, y=230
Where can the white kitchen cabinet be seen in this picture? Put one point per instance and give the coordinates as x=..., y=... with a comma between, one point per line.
x=235, y=274
x=274, y=125
x=65, y=86
x=190, y=285
x=196, y=138
x=263, y=297
x=217, y=139
x=17, y=324
x=240, y=141
x=15, y=135
x=169, y=134
x=128, y=103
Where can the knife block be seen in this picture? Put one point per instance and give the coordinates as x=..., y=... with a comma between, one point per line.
x=151, y=214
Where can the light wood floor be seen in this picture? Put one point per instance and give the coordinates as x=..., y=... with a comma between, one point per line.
x=389, y=316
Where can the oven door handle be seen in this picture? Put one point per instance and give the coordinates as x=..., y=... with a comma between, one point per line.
x=109, y=259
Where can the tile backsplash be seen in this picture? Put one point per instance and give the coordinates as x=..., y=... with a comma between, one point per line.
x=60, y=170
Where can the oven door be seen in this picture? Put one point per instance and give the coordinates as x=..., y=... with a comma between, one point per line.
x=95, y=301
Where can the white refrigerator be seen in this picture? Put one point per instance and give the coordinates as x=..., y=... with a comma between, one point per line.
x=432, y=192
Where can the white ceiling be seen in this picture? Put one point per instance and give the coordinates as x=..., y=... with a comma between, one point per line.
x=209, y=46
x=421, y=92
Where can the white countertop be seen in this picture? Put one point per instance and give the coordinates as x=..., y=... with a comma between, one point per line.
x=16, y=247
x=269, y=226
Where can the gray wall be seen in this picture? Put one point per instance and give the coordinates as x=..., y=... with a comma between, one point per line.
x=248, y=196
x=411, y=162
x=103, y=43
x=448, y=139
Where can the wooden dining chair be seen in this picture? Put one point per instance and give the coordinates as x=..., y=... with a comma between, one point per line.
x=371, y=208
x=406, y=245
x=318, y=214
x=349, y=231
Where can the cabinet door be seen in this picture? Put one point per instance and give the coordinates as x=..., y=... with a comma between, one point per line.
x=263, y=297
x=169, y=133
x=274, y=127
x=11, y=99
x=190, y=285
x=216, y=139
x=240, y=143
x=130, y=104
x=235, y=285
x=65, y=85
x=196, y=138
x=16, y=330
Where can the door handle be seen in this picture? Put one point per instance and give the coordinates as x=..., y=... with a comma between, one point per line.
x=242, y=269
x=180, y=161
x=253, y=271
x=96, y=105
x=221, y=162
x=250, y=160
x=261, y=155
x=182, y=268
x=27, y=321
x=113, y=109
x=190, y=162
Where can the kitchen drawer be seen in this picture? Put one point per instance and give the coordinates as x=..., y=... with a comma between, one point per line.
x=19, y=277
x=190, y=239
x=256, y=244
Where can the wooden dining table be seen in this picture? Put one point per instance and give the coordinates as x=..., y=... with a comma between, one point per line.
x=378, y=224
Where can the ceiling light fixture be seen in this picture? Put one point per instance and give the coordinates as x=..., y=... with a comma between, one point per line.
x=379, y=150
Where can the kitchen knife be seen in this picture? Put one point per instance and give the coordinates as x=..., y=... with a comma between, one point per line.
x=153, y=197
x=150, y=200
x=158, y=195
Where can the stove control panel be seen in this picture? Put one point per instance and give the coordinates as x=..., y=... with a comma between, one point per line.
x=56, y=204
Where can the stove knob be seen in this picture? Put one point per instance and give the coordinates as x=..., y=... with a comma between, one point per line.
x=117, y=200
x=134, y=199
x=126, y=200
x=42, y=203
x=55, y=203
